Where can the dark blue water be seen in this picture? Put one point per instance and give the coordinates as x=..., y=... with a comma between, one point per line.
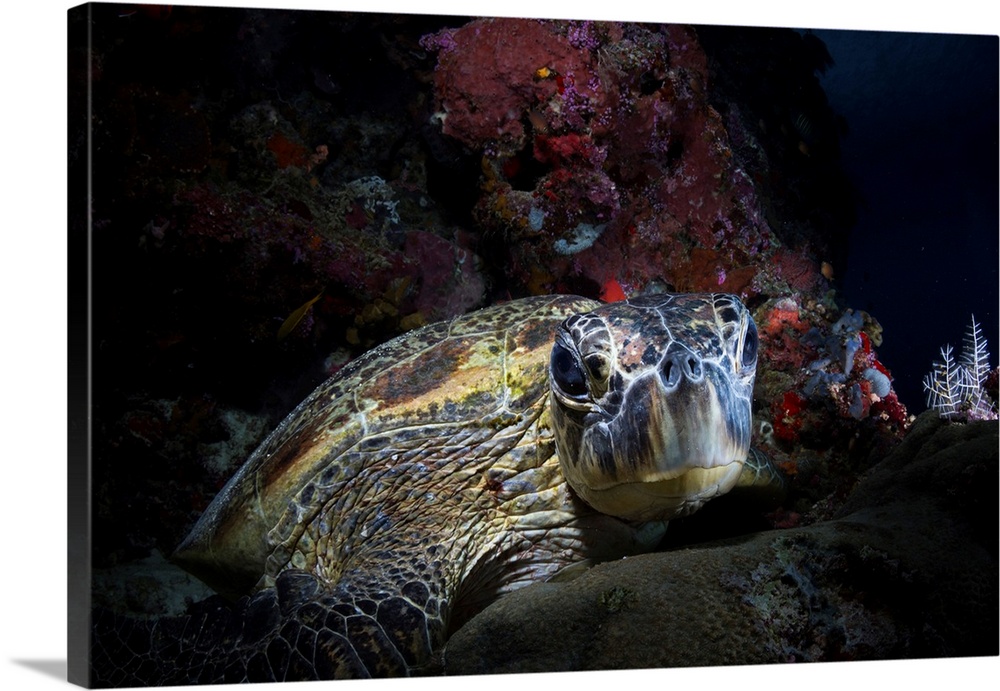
x=922, y=148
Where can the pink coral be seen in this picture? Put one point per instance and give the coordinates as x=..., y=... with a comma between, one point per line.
x=495, y=71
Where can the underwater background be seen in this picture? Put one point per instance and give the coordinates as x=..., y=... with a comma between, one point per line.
x=922, y=150
x=275, y=192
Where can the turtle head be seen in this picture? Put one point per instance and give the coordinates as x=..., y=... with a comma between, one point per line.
x=650, y=402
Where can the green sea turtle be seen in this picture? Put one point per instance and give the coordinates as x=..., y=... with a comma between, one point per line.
x=458, y=462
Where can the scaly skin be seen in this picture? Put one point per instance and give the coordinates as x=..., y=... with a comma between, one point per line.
x=428, y=477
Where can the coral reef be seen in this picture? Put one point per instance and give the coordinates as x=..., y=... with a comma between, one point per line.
x=820, y=371
x=957, y=390
x=825, y=403
x=604, y=158
x=240, y=172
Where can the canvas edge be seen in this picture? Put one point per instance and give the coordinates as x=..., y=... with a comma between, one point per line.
x=79, y=418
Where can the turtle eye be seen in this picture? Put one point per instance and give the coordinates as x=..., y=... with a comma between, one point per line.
x=749, y=348
x=566, y=372
x=598, y=366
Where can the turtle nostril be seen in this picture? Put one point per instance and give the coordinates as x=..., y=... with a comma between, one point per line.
x=693, y=368
x=670, y=374
x=680, y=366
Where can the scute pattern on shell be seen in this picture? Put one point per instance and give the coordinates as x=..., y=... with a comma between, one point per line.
x=462, y=389
x=424, y=480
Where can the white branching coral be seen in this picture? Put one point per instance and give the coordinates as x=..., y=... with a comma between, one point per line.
x=955, y=388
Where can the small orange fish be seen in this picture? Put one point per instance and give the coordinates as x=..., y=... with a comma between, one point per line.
x=295, y=317
x=537, y=121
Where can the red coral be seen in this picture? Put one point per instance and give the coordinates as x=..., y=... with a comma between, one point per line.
x=781, y=318
x=288, y=153
x=892, y=411
x=557, y=151
x=706, y=271
x=612, y=291
x=787, y=419
x=866, y=343
x=867, y=357
x=781, y=328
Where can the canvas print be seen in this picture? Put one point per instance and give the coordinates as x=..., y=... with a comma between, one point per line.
x=412, y=345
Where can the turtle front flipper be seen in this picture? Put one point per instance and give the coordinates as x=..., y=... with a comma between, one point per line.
x=367, y=625
x=301, y=629
x=761, y=478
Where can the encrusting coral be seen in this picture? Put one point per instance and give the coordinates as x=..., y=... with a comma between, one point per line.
x=956, y=389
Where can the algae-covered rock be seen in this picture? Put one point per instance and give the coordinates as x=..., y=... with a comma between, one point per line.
x=907, y=568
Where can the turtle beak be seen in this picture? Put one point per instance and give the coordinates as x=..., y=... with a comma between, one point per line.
x=678, y=439
x=665, y=429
